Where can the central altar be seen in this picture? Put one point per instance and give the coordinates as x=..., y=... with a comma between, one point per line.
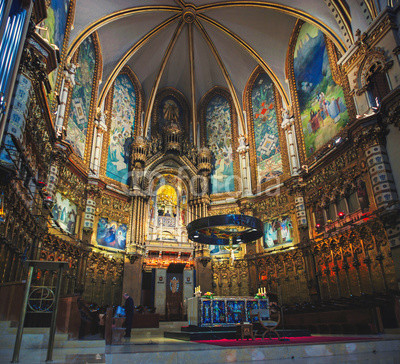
x=222, y=311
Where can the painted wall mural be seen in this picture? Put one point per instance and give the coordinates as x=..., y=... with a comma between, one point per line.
x=322, y=105
x=278, y=231
x=111, y=234
x=219, y=139
x=122, y=128
x=56, y=21
x=78, y=118
x=266, y=135
x=65, y=213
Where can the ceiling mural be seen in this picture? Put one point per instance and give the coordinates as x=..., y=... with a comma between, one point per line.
x=219, y=139
x=122, y=129
x=265, y=127
x=81, y=96
x=321, y=100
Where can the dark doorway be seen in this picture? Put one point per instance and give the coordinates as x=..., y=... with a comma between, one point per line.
x=174, y=294
x=147, y=289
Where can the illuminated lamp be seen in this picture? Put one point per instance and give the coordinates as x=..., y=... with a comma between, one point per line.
x=341, y=215
x=318, y=227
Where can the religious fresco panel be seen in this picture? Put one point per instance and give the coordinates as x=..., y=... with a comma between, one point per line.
x=278, y=231
x=122, y=128
x=65, y=213
x=78, y=118
x=266, y=135
x=111, y=234
x=55, y=24
x=322, y=103
x=219, y=139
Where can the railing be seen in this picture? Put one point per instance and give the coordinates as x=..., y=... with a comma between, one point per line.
x=167, y=221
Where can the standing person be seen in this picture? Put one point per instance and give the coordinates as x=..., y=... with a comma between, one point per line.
x=129, y=314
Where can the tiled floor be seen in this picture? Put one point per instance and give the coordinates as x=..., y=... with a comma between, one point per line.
x=148, y=346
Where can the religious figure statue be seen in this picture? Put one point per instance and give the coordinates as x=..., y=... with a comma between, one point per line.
x=232, y=251
x=171, y=111
x=242, y=141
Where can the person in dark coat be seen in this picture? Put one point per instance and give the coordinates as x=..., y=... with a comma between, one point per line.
x=129, y=307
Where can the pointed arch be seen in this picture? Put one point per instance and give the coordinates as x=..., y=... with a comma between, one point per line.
x=268, y=149
x=320, y=99
x=82, y=99
x=221, y=134
x=123, y=109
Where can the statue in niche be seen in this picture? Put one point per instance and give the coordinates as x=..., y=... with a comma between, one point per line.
x=193, y=154
x=171, y=111
x=362, y=194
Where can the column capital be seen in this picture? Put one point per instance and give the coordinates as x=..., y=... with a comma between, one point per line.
x=69, y=73
x=243, y=145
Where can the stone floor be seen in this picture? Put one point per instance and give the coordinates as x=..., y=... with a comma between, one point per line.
x=148, y=346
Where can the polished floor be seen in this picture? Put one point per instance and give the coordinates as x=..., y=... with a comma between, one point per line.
x=148, y=346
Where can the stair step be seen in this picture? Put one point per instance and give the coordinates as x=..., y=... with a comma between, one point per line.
x=27, y=330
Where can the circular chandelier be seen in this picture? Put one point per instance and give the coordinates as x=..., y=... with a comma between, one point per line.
x=225, y=229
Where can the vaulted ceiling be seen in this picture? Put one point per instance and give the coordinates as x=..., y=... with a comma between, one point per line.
x=196, y=46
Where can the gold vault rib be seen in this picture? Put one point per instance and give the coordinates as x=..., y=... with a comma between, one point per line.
x=252, y=52
x=160, y=73
x=224, y=72
x=192, y=83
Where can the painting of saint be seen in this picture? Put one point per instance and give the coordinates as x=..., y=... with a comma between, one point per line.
x=78, y=118
x=321, y=99
x=65, y=213
x=111, y=234
x=266, y=135
x=122, y=127
x=219, y=139
x=218, y=307
x=278, y=231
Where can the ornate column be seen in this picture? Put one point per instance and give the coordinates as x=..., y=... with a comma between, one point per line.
x=381, y=176
x=59, y=158
x=67, y=84
x=382, y=181
x=92, y=191
x=290, y=133
x=300, y=210
x=243, y=151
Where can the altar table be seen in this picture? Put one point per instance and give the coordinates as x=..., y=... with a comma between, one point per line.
x=222, y=311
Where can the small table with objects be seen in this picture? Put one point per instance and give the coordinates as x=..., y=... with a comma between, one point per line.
x=244, y=331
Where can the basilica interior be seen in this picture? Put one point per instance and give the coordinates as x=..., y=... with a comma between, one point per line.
x=122, y=121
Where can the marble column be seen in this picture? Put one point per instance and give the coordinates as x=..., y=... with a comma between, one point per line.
x=290, y=134
x=243, y=151
x=98, y=132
